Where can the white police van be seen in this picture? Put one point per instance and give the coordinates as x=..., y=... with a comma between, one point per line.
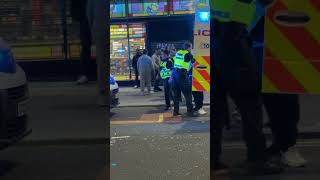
x=114, y=92
x=14, y=98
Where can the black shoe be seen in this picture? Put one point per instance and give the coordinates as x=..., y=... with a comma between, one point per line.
x=167, y=108
x=192, y=114
x=176, y=114
x=220, y=169
x=157, y=89
x=264, y=168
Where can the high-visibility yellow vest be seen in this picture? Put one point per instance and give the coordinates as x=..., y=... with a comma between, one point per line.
x=234, y=10
x=165, y=72
x=179, y=62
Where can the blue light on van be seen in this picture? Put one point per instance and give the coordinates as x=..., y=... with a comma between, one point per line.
x=204, y=16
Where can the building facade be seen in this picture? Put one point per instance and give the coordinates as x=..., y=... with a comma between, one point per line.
x=45, y=39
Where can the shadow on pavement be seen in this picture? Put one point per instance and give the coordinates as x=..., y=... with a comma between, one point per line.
x=6, y=167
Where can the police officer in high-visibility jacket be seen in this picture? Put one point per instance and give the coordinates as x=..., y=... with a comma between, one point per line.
x=180, y=79
x=166, y=65
x=235, y=73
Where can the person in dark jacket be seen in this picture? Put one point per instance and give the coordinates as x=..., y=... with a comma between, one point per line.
x=79, y=13
x=135, y=67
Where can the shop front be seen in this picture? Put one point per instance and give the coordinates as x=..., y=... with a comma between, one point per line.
x=45, y=39
x=123, y=47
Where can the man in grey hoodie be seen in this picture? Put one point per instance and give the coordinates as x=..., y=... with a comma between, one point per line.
x=146, y=70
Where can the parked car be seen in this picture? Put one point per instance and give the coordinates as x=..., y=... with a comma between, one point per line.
x=114, y=92
x=14, y=96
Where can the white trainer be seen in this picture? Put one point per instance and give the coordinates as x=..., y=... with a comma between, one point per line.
x=202, y=111
x=293, y=158
x=82, y=80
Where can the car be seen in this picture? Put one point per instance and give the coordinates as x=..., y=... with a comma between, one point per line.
x=14, y=98
x=114, y=92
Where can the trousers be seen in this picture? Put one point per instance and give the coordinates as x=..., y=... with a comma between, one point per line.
x=182, y=84
x=235, y=74
x=167, y=92
x=198, y=99
x=283, y=111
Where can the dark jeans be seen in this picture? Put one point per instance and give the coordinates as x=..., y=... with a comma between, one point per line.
x=182, y=84
x=198, y=99
x=136, y=72
x=283, y=111
x=236, y=74
x=156, y=79
x=167, y=92
x=86, y=41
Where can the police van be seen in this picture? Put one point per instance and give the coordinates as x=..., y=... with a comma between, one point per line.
x=14, y=98
x=114, y=92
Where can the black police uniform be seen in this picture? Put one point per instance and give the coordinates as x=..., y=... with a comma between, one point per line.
x=181, y=83
x=167, y=87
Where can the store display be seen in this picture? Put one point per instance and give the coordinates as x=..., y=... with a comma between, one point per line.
x=147, y=7
x=119, y=51
x=185, y=6
x=117, y=8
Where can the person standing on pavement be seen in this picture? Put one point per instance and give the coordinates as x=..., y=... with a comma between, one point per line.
x=135, y=67
x=166, y=66
x=180, y=79
x=97, y=18
x=284, y=114
x=156, y=64
x=78, y=13
x=198, y=96
x=283, y=111
x=235, y=73
x=145, y=68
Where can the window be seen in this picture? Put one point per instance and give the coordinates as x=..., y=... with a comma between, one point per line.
x=185, y=6
x=117, y=8
x=147, y=8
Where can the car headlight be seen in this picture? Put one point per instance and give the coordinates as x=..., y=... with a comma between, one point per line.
x=7, y=62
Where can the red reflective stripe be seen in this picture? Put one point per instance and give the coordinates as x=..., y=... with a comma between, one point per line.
x=299, y=37
x=207, y=58
x=197, y=85
x=315, y=3
x=204, y=74
x=280, y=76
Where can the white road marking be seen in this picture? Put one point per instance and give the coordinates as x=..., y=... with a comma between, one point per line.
x=120, y=137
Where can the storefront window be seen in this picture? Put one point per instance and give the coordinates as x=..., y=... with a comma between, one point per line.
x=185, y=6
x=33, y=28
x=147, y=8
x=117, y=8
x=120, y=64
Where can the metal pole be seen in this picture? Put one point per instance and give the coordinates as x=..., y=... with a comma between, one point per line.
x=168, y=7
x=64, y=29
x=128, y=37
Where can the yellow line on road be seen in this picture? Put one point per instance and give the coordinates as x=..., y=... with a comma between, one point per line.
x=132, y=122
x=161, y=118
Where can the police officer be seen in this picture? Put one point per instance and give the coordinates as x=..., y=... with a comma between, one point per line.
x=180, y=79
x=166, y=66
x=235, y=73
